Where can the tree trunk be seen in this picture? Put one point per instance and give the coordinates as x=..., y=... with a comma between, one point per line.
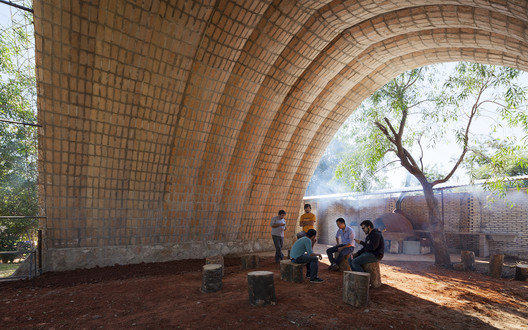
x=436, y=227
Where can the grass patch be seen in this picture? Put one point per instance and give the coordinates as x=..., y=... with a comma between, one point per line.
x=7, y=269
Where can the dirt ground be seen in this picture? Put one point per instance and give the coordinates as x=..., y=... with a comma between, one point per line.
x=414, y=295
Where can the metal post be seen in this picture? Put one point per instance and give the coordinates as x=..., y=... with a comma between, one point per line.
x=39, y=249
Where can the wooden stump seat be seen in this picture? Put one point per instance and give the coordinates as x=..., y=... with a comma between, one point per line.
x=261, y=288
x=343, y=265
x=521, y=272
x=356, y=288
x=215, y=260
x=249, y=261
x=495, y=265
x=468, y=259
x=291, y=272
x=375, y=276
x=211, y=278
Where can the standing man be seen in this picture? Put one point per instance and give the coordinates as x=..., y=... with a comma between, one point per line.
x=278, y=226
x=373, y=247
x=306, y=221
x=302, y=253
x=345, y=234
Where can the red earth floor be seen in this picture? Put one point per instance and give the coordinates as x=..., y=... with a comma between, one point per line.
x=414, y=295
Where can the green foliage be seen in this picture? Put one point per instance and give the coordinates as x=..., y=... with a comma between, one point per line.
x=417, y=111
x=18, y=143
x=496, y=161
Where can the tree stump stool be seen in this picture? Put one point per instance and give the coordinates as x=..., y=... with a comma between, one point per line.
x=261, y=288
x=521, y=272
x=495, y=265
x=250, y=261
x=468, y=259
x=215, y=260
x=459, y=266
x=211, y=278
x=356, y=288
x=375, y=276
x=291, y=272
x=343, y=265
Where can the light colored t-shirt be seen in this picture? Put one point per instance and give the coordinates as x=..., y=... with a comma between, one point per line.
x=301, y=246
x=307, y=217
x=347, y=236
x=277, y=231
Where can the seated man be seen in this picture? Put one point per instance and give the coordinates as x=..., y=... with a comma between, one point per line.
x=301, y=253
x=345, y=234
x=373, y=247
x=306, y=221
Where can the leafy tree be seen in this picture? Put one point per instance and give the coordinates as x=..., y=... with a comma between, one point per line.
x=18, y=147
x=414, y=112
x=496, y=161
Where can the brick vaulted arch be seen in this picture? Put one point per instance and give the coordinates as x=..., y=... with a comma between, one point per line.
x=176, y=129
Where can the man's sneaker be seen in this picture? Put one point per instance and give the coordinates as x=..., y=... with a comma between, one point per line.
x=316, y=280
x=307, y=275
x=334, y=268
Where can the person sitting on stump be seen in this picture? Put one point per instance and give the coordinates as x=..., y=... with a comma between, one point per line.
x=306, y=221
x=302, y=253
x=373, y=247
x=345, y=234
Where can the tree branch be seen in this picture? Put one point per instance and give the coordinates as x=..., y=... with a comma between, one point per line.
x=474, y=109
x=385, y=132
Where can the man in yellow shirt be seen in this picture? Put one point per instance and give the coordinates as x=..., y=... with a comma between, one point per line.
x=306, y=221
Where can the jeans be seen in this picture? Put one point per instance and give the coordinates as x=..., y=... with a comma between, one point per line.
x=278, y=241
x=364, y=258
x=342, y=254
x=312, y=264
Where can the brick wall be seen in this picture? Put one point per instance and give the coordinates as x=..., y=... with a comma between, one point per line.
x=174, y=122
x=504, y=221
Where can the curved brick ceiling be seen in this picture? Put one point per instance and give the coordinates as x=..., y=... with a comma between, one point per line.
x=197, y=122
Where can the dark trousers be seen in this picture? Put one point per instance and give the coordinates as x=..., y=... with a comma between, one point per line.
x=357, y=263
x=278, y=241
x=312, y=265
x=330, y=253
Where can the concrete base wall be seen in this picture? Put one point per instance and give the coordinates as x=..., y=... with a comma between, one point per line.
x=75, y=258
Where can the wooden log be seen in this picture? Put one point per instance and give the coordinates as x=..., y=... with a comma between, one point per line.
x=375, y=275
x=343, y=265
x=215, y=260
x=521, y=272
x=211, y=278
x=261, y=288
x=291, y=272
x=468, y=259
x=250, y=261
x=495, y=265
x=459, y=266
x=356, y=288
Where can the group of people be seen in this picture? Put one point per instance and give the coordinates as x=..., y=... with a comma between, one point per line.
x=372, y=249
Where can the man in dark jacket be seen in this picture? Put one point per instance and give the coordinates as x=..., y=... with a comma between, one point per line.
x=372, y=250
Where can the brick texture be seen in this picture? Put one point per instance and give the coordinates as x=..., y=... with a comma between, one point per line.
x=169, y=122
x=504, y=222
